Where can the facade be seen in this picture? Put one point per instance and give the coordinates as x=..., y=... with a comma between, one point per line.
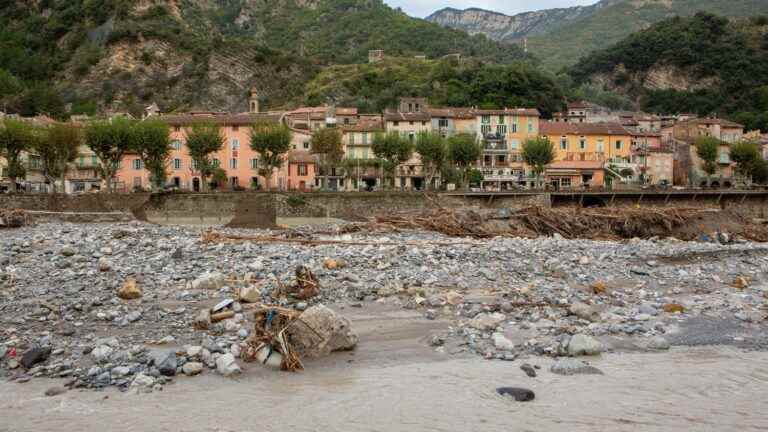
x=502, y=134
x=689, y=167
x=451, y=121
x=358, y=142
x=602, y=144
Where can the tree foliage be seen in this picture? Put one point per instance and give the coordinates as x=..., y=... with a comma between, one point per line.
x=204, y=139
x=394, y=149
x=749, y=161
x=57, y=147
x=538, y=153
x=706, y=149
x=109, y=141
x=463, y=151
x=271, y=141
x=326, y=143
x=15, y=138
x=433, y=152
x=150, y=139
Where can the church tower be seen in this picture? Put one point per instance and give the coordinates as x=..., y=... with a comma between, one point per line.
x=253, y=104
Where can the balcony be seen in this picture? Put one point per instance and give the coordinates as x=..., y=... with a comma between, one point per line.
x=493, y=143
x=501, y=174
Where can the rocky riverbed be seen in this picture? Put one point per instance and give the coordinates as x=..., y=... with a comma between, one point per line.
x=502, y=299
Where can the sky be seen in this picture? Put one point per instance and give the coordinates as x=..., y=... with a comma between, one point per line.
x=422, y=8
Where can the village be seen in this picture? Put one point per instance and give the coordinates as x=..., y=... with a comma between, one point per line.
x=592, y=148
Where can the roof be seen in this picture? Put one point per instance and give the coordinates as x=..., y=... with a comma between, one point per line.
x=220, y=118
x=346, y=111
x=509, y=111
x=714, y=121
x=400, y=116
x=557, y=128
x=458, y=113
x=645, y=134
x=300, y=156
x=578, y=105
x=365, y=124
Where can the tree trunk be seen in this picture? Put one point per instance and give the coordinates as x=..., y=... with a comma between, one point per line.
x=13, y=184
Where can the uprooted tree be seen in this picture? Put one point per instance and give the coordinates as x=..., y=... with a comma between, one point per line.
x=271, y=141
x=204, y=139
x=109, y=140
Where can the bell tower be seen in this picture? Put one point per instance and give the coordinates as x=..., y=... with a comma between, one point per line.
x=253, y=103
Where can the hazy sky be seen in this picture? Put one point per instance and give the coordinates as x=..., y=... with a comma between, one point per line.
x=422, y=8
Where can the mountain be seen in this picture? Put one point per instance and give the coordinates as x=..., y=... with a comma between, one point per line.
x=559, y=37
x=94, y=55
x=705, y=64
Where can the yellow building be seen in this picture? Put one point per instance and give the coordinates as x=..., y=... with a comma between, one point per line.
x=583, y=150
x=502, y=134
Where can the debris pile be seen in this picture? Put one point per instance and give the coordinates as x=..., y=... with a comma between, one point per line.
x=13, y=218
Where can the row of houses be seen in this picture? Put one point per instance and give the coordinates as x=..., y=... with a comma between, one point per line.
x=594, y=147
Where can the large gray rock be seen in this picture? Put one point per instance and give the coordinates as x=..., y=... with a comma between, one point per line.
x=658, y=343
x=581, y=344
x=320, y=331
x=585, y=311
x=101, y=353
x=227, y=365
x=165, y=362
x=487, y=321
x=214, y=280
x=142, y=383
x=192, y=368
x=571, y=366
x=502, y=343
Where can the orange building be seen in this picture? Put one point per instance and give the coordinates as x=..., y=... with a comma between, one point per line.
x=236, y=157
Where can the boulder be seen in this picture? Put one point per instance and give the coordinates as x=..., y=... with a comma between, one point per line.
x=211, y=280
x=202, y=320
x=142, y=383
x=570, y=366
x=520, y=394
x=250, y=294
x=320, y=331
x=658, y=343
x=129, y=290
x=585, y=312
x=487, y=321
x=101, y=353
x=581, y=344
x=227, y=365
x=502, y=343
x=165, y=362
x=35, y=356
x=453, y=298
x=192, y=368
x=104, y=264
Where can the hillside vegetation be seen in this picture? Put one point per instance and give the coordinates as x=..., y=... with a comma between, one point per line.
x=372, y=87
x=703, y=64
x=91, y=55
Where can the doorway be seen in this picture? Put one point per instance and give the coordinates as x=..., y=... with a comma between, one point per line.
x=196, y=184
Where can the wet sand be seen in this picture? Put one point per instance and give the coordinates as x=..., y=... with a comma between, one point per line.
x=395, y=382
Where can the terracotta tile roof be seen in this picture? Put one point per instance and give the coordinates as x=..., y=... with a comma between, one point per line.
x=509, y=111
x=713, y=121
x=365, y=124
x=399, y=116
x=578, y=105
x=557, y=128
x=220, y=118
x=448, y=112
x=300, y=156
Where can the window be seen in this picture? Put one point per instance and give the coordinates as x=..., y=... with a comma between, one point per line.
x=254, y=163
x=618, y=144
x=396, y=123
x=352, y=138
x=235, y=143
x=177, y=128
x=486, y=119
x=94, y=160
x=365, y=138
x=81, y=161
x=306, y=145
x=233, y=163
x=563, y=143
x=365, y=152
x=443, y=123
x=582, y=143
x=600, y=146
x=514, y=144
x=410, y=123
x=216, y=163
x=501, y=129
x=501, y=119
x=194, y=164
x=235, y=128
x=177, y=164
x=302, y=169
x=530, y=126
x=346, y=120
x=137, y=164
x=514, y=127
x=176, y=144
x=485, y=129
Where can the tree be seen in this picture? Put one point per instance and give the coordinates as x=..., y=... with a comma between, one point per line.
x=706, y=149
x=432, y=149
x=58, y=146
x=203, y=139
x=538, y=153
x=109, y=140
x=464, y=151
x=475, y=177
x=746, y=154
x=150, y=139
x=326, y=142
x=15, y=138
x=271, y=141
x=394, y=149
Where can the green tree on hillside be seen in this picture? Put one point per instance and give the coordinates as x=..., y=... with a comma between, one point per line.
x=394, y=149
x=271, y=141
x=109, y=140
x=433, y=152
x=58, y=146
x=15, y=138
x=326, y=143
x=151, y=141
x=204, y=139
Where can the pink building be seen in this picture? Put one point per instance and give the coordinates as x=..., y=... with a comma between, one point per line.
x=236, y=157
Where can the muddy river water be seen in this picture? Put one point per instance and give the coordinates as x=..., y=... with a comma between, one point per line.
x=395, y=382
